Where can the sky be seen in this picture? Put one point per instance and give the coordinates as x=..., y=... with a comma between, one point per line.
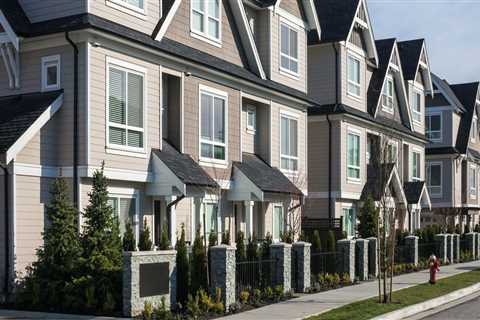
x=451, y=29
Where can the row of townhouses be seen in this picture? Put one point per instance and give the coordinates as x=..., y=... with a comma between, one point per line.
x=233, y=115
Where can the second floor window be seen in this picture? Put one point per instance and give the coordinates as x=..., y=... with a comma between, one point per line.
x=434, y=177
x=416, y=166
x=289, y=143
x=212, y=126
x=353, y=75
x=205, y=18
x=353, y=156
x=417, y=107
x=433, y=127
x=125, y=108
x=472, y=178
x=288, y=49
x=387, y=95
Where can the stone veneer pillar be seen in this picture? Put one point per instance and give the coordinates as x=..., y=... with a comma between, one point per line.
x=223, y=272
x=477, y=241
x=441, y=247
x=346, y=258
x=373, y=256
x=282, y=274
x=361, y=259
x=302, y=251
x=412, y=251
x=456, y=248
x=471, y=244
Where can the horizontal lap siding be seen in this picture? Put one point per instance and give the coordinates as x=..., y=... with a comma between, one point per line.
x=316, y=208
x=447, y=182
x=293, y=7
x=51, y=9
x=183, y=211
x=321, y=73
x=318, y=139
x=248, y=138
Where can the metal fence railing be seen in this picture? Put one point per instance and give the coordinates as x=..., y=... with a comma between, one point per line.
x=325, y=262
x=425, y=250
x=402, y=254
x=255, y=274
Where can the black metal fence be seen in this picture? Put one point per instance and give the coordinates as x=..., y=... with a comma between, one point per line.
x=402, y=254
x=325, y=262
x=294, y=270
x=425, y=250
x=255, y=274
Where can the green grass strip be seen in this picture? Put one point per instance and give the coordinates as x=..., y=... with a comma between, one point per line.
x=367, y=309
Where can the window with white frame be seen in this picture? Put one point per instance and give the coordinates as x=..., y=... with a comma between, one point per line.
x=125, y=108
x=211, y=217
x=417, y=106
x=473, y=131
x=434, y=178
x=353, y=156
x=472, y=178
x=251, y=118
x=135, y=5
x=353, y=76
x=350, y=221
x=278, y=222
x=392, y=152
x=51, y=73
x=288, y=49
x=387, y=95
x=288, y=143
x=415, y=162
x=206, y=18
x=125, y=209
x=212, y=126
x=433, y=127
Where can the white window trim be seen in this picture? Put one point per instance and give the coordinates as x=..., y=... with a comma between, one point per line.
x=386, y=108
x=273, y=221
x=129, y=193
x=251, y=129
x=430, y=114
x=128, y=8
x=419, y=152
x=352, y=179
x=204, y=36
x=211, y=200
x=115, y=148
x=350, y=207
x=415, y=112
x=440, y=193
x=210, y=162
x=291, y=116
x=56, y=60
x=472, y=190
x=359, y=85
x=474, y=129
x=287, y=72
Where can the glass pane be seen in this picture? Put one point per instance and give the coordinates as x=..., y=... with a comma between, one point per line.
x=126, y=213
x=357, y=150
x=214, y=8
x=116, y=96
x=293, y=66
x=285, y=62
x=435, y=123
x=206, y=123
x=117, y=136
x=52, y=75
x=285, y=164
x=197, y=21
x=293, y=44
x=435, y=175
x=284, y=39
x=207, y=150
x=113, y=202
x=284, y=136
x=219, y=118
x=293, y=138
x=294, y=165
x=135, y=100
x=197, y=5
x=219, y=152
x=213, y=28
x=135, y=3
x=211, y=217
x=135, y=139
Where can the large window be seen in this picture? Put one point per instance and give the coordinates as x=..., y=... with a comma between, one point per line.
x=387, y=95
x=289, y=143
x=353, y=156
x=353, y=75
x=417, y=106
x=415, y=166
x=278, y=222
x=433, y=127
x=125, y=108
x=212, y=126
x=211, y=217
x=51, y=73
x=251, y=118
x=472, y=178
x=474, y=130
x=434, y=177
x=288, y=49
x=124, y=209
x=205, y=18
x=350, y=221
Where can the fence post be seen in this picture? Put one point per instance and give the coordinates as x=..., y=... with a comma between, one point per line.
x=456, y=247
x=372, y=256
x=412, y=252
x=450, y=248
x=282, y=273
x=346, y=258
x=361, y=257
x=302, y=251
x=223, y=272
x=441, y=246
x=471, y=243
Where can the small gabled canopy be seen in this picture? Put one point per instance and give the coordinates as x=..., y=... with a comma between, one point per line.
x=444, y=95
x=415, y=60
x=22, y=117
x=417, y=195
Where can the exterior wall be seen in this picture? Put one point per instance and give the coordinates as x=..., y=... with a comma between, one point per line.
x=358, y=103
x=248, y=137
x=293, y=7
x=396, y=106
x=2, y=228
x=412, y=147
x=321, y=73
x=51, y=9
x=230, y=50
x=317, y=156
x=262, y=38
x=445, y=199
x=316, y=208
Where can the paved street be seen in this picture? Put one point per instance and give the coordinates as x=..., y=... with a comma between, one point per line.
x=468, y=310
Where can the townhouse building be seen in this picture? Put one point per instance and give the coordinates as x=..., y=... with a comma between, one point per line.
x=195, y=108
x=369, y=93
x=453, y=154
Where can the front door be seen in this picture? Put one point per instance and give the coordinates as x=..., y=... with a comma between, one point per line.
x=161, y=220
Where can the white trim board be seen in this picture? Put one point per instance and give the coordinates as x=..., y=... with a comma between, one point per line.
x=9, y=31
x=168, y=20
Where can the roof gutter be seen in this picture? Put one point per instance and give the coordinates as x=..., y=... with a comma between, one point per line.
x=6, y=231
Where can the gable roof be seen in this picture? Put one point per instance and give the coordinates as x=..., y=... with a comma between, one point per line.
x=376, y=187
x=15, y=16
x=411, y=55
x=444, y=87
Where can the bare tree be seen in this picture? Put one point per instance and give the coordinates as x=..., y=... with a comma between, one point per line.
x=297, y=204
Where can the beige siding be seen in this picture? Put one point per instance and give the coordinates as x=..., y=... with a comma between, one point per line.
x=316, y=208
x=51, y=9
x=321, y=73
x=179, y=30
x=358, y=103
x=293, y=7
x=263, y=39
x=248, y=137
x=145, y=23
x=298, y=82
x=183, y=211
x=318, y=139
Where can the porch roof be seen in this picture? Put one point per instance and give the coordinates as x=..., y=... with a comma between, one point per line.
x=416, y=193
x=376, y=187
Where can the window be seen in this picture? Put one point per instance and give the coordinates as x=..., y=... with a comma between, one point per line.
x=136, y=5
x=353, y=156
x=473, y=131
x=205, y=18
x=417, y=106
x=472, y=178
x=251, y=118
x=211, y=217
x=387, y=96
x=51, y=73
x=212, y=126
x=353, y=74
x=125, y=108
x=433, y=127
x=278, y=222
x=124, y=209
x=289, y=143
x=350, y=221
x=392, y=153
x=415, y=166
x=288, y=49
x=434, y=176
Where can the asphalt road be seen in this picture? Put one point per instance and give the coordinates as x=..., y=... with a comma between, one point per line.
x=469, y=310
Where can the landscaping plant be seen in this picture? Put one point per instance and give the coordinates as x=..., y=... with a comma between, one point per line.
x=252, y=249
x=145, y=243
x=240, y=253
x=128, y=241
x=164, y=241
x=316, y=242
x=199, y=264
x=183, y=268
x=226, y=237
x=368, y=219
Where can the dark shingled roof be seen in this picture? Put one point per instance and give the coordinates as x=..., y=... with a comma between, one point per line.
x=166, y=6
x=413, y=191
x=265, y=3
x=19, y=112
x=184, y=167
x=336, y=18
x=374, y=187
x=441, y=150
x=410, y=52
x=16, y=16
x=265, y=177
x=445, y=86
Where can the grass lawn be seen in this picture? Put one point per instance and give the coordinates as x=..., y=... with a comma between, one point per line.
x=370, y=308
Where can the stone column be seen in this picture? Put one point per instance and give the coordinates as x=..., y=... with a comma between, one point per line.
x=346, y=257
x=361, y=259
x=412, y=251
x=372, y=256
x=223, y=271
x=248, y=218
x=302, y=251
x=441, y=247
x=456, y=248
x=450, y=248
x=281, y=252
x=471, y=243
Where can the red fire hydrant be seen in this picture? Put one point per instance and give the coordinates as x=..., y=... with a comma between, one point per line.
x=434, y=268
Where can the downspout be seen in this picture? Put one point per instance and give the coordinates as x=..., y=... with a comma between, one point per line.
x=75, y=119
x=6, y=231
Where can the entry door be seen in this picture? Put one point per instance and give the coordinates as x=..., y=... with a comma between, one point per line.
x=162, y=220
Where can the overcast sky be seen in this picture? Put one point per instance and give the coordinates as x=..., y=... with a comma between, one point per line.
x=450, y=27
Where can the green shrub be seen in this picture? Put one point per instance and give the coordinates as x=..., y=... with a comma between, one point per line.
x=193, y=306
x=368, y=219
x=199, y=264
x=256, y=297
x=218, y=306
x=144, y=242
x=316, y=242
x=346, y=280
x=268, y=293
x=240, y=253
x=162, y=312
x=226, y=237
x=331, y=241
x=244, y=295
x=212, y=239
x=128, y=241
x=336, y=280
x=164, y=241
x=183, y=268
x=205, y=301
x=147, y=313
x=287, y=236
x=252, y=249
x=278, y=293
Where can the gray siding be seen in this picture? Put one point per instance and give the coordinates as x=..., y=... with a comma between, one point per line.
x=321, y=73
x=51, y=9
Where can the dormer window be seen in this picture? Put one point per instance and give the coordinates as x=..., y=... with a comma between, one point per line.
x=387, y=95
x=353, y=75
x=288, y=49
x=417, y=106
x=433, y=127
x=205, y=19
x=51, y=73
x=473, y=132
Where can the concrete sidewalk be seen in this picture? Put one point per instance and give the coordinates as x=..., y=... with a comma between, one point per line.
x=313, y=304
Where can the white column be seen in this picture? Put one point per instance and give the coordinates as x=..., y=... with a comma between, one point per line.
x=248, y=218
x=173, y=223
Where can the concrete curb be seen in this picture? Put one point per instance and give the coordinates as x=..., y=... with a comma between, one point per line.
x=430, y=304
